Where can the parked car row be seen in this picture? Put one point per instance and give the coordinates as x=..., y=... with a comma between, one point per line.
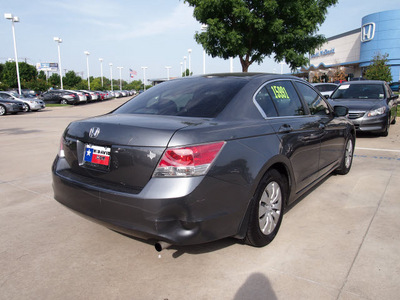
x=81, y=96
x=12, y=102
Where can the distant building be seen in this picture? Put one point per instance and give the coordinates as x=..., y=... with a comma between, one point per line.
x=354, y=50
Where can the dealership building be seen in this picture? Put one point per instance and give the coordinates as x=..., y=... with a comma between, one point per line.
x=353, y=51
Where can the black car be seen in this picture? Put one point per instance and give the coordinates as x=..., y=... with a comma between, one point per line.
x=8, y=106
x=372, y=104
x=198, y=159
x=60, y=96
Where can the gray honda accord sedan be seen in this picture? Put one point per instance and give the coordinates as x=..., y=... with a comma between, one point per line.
x=202, y=158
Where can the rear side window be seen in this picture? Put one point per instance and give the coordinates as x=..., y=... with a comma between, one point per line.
x=285, y=98
x=201, y=97
x=264, y=102
x=316, y=104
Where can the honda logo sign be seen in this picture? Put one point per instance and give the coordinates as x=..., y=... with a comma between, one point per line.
x=367, y=32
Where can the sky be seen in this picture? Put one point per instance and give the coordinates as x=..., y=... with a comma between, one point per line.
x=133, y=34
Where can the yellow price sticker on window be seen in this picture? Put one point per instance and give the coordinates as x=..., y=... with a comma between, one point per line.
x=280, y=92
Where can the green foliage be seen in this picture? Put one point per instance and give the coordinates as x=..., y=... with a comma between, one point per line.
x=379, y=70
x=70, y=80
x=38, y=85
x=8, y=73
x=255, y=29
x=42, y=75
x=82, y=85
x=135, y=85
x=186, y=73
x=54, y=80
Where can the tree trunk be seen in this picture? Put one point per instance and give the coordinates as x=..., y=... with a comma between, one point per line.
x=245, y=62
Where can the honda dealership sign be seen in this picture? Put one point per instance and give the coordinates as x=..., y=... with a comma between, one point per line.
x=47, y=67
x=367, y=32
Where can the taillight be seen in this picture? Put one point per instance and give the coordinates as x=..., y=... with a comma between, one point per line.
x=188, y=161
x=61, y=151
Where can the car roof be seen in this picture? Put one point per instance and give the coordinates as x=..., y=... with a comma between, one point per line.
x=363, y=82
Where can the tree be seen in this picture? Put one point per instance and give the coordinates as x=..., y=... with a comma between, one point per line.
x=54, y=79
x=379, y=70
x=186, y=73
x=27, y=73
x=255, y=29
x=70, y=80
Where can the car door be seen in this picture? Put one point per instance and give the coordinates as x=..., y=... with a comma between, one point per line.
x=331, y=129
x=298, y=132
x=391, y=101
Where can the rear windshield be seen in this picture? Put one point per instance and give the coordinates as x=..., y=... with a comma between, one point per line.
x=359, y=91
x=202, y=97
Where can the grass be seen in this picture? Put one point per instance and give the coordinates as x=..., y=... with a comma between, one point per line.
x=56, y=105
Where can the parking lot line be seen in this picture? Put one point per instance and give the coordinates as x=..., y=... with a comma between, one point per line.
x=377, y=149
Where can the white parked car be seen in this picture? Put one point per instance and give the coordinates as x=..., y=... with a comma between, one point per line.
x=82, y=96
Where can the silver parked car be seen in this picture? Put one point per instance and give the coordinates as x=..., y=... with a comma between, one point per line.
x=30, y=104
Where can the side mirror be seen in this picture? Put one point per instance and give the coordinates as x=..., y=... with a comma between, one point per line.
x=341, y=111
x=326, y=97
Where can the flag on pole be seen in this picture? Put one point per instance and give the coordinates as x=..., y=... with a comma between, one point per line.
x=132, y=73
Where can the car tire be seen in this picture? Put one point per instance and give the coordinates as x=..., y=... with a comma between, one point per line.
x=394, y=119
x=385, y=132
x=63, y=101
x=26, y=108
x=348, y=155
x=266, y=209
x=2, y=110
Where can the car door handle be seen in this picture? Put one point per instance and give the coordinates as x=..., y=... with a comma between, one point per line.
x=285, y=128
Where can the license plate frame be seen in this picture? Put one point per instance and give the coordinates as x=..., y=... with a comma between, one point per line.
x=96, y=156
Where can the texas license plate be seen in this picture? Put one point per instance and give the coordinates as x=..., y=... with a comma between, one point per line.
x=97, y=155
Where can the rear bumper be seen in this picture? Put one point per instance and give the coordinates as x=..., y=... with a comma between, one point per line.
x=181, y=211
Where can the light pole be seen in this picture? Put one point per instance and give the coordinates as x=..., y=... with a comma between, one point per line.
x=101, y=71
x=59, y=41
x=144, y=77
x=181, y=69
x=184, y=72
x=204, y=29
x=14, y=19
x=281, y=63
x=87, y=53
x=189, y=51
x=168, y=72
x=110, y=64
x=231, y=64
x=120, y=78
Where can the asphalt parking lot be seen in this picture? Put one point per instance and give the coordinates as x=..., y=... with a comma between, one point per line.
x=342, y=241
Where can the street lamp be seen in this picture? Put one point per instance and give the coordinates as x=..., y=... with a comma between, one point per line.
x=189, y=51
x=144, y=77
x=111, y=76
x=168, y=72
x=101, y=71
x=87, y=53
x=120, y=78
x=231, y=64
x=184, y=72
x=14, y=19
x=181, y=69
x=59, y=41
x=204, y=29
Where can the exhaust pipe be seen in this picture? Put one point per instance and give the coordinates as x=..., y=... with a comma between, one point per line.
x=161, y=245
